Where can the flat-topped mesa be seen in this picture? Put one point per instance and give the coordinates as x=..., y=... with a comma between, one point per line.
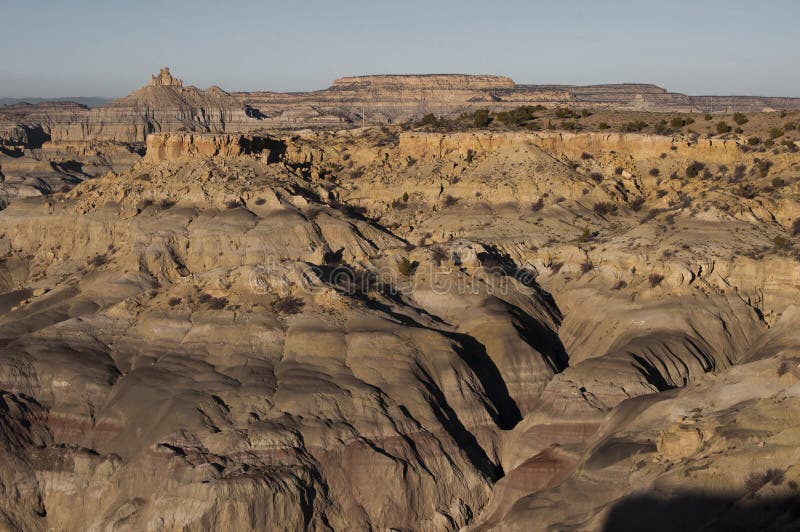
x=165, y=79
x=427, y=81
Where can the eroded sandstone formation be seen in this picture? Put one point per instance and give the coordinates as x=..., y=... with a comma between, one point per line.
x=374, y=329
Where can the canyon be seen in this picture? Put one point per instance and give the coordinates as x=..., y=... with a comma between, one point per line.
x=256, y=311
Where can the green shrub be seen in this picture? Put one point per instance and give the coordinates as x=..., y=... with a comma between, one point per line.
x=740, y=119
x=634, y=127
x=780, y=242
x=723, y=127
x=754, y=141
x=481, y=118
x=603, y=125
x=677, y=122
x=429, y=120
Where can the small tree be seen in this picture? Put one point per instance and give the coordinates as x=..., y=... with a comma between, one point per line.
x=740, y=119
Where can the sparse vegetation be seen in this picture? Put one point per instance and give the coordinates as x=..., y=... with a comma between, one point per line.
x=723, y=127
x=449, y=200
x=601, y=208
x=98, y=260
x=481, y=118
x=655, y=279
x=740, y=119
x=287, y=305
x=406, y=267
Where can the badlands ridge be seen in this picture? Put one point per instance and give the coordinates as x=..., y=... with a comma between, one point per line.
x=208, y=322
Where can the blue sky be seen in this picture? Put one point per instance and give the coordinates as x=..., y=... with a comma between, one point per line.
x=109, y=48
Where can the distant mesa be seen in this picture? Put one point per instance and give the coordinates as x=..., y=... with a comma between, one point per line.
x=164, y=78
x=429, y=81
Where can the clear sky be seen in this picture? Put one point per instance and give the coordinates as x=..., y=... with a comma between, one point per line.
x=110, y=47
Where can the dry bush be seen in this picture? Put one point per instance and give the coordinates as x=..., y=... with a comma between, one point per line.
x=98, y=260
x=288, y=305
x=449, y=200
x=655, y=279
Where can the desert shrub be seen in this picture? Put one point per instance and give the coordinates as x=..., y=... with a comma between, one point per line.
x=651, y=214
x=636, y=204
x=780, y=243
x=694, y=169
x=585, y=113
x=618, y=170
x=753, y=141
x=754, y=482
x=708, y=117
x=519, y=115
x=677, y=122
x=603, y=125
x=481, y=118
x=783, y=368
x=174, y=301
x=723, y=127
x=655, y=279
x=260, y=201
x=775, y=476
x=232, y=204
x=796, y=227
x=450, y=200
x=655, y=172
x=596, y=177
x=587, y=266
x=538, y=205
x=563, y=112
x=406, y=267
x=634, y=127
x=586, y=235
x=586, y=156
x=747, y=191
x=762, y=167
x=569, y=125
x=740, y=119
x=662, y=129
x=217, y=303
x=165, y=204
x=288, y=305
x=98, y=260
x=620, y=285
x=777, y=182
x=428, y=120
x=601, y=208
